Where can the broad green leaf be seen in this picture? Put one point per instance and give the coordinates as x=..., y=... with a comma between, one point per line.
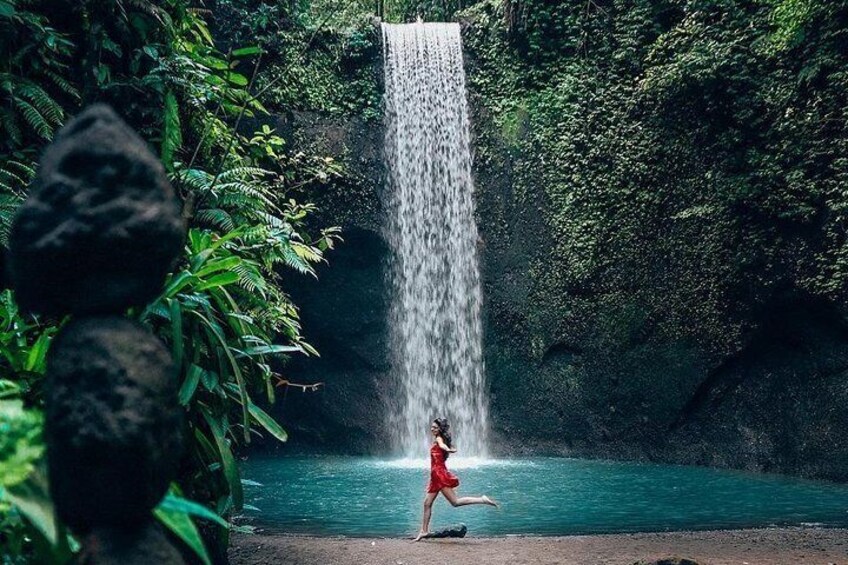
x=271, y=350
x=220, y=265
x=247, y=51
x=225, y=348
x=219, y=280
x=33, y=502
x=176, y=331
x=267, y=422
x=6, y=10
x=9, y=389
x=176, y=503
x=237, y=79
x=172, y=136
x=209, y=380
x=181, y=525
x=177, y=283
x=228, y=462
x=190, y=384
x=36, y=358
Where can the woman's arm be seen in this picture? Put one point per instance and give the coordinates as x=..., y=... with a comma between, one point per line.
x=444, y=446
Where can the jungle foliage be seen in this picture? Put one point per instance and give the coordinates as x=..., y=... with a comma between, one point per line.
x=223, y=311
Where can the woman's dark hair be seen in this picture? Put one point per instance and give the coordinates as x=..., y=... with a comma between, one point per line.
x=444, y=431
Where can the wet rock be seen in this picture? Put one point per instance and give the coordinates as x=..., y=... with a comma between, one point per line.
x=670, y=561
x=113, y=423
x=138, y=546
x=101, y=227
x=455, y=531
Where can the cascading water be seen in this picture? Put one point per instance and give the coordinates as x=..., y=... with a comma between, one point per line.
x=435, y=312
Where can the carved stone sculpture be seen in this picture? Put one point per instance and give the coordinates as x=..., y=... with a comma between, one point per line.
x=98, y=233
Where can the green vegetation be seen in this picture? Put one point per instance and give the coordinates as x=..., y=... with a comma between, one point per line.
x=688, y=160
x=223, y=311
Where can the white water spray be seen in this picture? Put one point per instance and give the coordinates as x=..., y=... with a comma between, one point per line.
x=435, y=313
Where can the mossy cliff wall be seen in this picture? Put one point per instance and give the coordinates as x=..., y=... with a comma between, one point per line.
x=661, y=195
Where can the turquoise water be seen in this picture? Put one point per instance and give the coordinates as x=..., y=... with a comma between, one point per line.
x=543, y=496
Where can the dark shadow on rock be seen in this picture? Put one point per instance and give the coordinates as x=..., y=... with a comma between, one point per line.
x=773, y=407
x=344, y=315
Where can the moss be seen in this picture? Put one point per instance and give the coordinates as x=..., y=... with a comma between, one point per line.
x=334, y=72
x=685, y=167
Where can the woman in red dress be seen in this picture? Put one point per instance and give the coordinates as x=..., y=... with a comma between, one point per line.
x=442, y=480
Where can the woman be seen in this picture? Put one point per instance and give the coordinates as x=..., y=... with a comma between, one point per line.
x=442, y=480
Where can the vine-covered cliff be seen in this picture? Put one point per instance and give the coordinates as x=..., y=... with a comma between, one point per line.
x=661, y=199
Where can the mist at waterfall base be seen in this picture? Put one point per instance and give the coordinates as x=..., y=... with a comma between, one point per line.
x=360, y=497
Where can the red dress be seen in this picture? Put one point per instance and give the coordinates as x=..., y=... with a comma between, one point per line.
x=440, y=477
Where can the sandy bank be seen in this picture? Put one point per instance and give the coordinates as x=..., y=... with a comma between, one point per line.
x=772, y=546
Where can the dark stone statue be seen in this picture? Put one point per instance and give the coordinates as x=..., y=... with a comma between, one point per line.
x=144, y=545
x=98, y=233
x=113, y=424
x=101, y=226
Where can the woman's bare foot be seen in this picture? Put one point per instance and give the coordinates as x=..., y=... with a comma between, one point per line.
x=420, y=536
x=491, y=502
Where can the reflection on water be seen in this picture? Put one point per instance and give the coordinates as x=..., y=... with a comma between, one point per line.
x=543, y=496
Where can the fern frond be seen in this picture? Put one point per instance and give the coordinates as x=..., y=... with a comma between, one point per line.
x=63, y=84
x=9, y=124
x=34, y=119
x=277, y=223
x=292, y=259
x=215, y=217
x=9, y=202
x=149, y=8
x=254, y=235
x=250, y=278
x=307, y=252
x=240, y=173
x=194, y=179
x=43, y=102
x=12, y=171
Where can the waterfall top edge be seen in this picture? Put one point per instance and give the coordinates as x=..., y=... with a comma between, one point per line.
x=420, y=25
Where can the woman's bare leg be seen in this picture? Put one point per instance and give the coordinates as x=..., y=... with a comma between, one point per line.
x=466, y=500
x=428, y=511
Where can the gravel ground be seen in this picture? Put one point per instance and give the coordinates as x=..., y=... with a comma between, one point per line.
x=771, y=546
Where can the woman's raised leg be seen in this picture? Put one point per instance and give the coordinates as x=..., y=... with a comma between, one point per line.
x=466, y=500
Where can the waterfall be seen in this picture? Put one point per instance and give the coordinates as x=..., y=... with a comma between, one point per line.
x=435, y=313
